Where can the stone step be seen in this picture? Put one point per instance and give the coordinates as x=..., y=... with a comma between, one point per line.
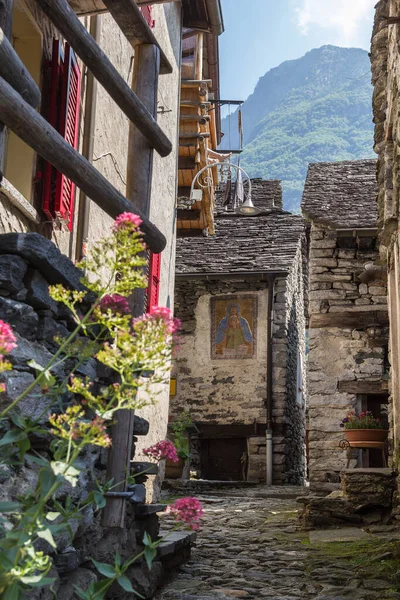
x=139, y=467
x=140, y=426
x=144, y=510
x=175, y=542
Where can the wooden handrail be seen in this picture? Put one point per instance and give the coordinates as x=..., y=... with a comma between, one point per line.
x=61, y=14
x=129, y=18
x=13, y=70
x=35, y=131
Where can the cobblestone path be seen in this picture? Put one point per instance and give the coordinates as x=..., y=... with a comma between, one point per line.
x=252, y=547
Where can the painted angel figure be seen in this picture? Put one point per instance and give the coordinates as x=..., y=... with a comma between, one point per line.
x=233, y=333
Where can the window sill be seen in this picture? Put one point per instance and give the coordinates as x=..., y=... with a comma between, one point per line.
x=19, y=201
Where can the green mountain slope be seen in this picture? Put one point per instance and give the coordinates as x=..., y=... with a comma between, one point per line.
x=316, y=108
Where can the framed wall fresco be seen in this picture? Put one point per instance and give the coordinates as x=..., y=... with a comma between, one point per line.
x=233, y=327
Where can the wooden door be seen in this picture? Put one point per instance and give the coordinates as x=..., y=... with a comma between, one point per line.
x=224, y=459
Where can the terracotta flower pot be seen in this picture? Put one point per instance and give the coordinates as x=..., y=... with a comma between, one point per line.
x=174, y=470
x=366, y=435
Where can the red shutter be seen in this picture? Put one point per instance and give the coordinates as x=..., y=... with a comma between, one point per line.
x=50, y=174
x=58, y=190
x=146, y=12
x=153, y=290
x=69, y=129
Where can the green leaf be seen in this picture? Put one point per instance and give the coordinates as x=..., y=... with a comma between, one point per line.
x=100, y=588
x=11, y=593
x=104, y=569
x=117, y=559
x=147, y=539
x=126, y=585
x=23, y=445
x=6, y=507
x=80, y=593
x=12, y=436
x=47, y=479
x=46, y=534
x=149, y=555
x=43, y=582
x=46, y=377
x=17, y=420
x=52, y=516
x=38, y=460
x=32, y=363
x=99, y=499
x=68, y=472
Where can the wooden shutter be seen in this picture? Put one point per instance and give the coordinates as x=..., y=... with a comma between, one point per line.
x=69, y=128
x=65, y=89
x=153, y=290
x=50, y=174
x=146, y=12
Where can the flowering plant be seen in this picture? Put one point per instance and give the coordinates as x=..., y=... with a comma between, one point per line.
x=162, y=451
x=187, y=511
x=179, y=435
x=364, y=420
x=127, y=347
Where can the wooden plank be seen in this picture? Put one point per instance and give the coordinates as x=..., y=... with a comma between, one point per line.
x=348, y=319
x=13, y=70
x=63, y=17
x=35, y=131
x=189, y=83
x=138, y=190
x=199, y=57
x=6, y=11
x=202, y=119
x=364, y=386
x=188, y=214
x=186, y=163
x=133, y=25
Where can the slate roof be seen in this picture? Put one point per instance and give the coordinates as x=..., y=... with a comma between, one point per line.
x=341, y=194
x=266, y=242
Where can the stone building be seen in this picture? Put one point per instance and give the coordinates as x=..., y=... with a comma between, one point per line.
x=348, y=317
x=385, y=59
x=74, y=155
x=35, y=197
x=240, y=369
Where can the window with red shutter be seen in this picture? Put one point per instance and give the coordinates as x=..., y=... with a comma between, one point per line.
x=58, y=190
x=153, y=290
x=147, y=14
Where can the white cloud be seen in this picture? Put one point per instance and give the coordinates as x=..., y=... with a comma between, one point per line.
x=344, y=18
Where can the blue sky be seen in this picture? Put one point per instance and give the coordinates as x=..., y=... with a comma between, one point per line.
x=260, y=34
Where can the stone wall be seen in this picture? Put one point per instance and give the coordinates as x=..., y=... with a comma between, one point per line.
x=339, y=353
x=235, y=392
x=28, y=263
x=110, y=158
x=385, y=61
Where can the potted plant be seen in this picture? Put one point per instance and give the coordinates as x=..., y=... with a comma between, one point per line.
x=363, y=427
x=180, y=438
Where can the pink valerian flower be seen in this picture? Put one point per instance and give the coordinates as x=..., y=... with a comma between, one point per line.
x=116, y=303
x=187, y=511
x=125, y=219
x=7, y=339
x=3, y=388
x=172, y=324
x=162, y=450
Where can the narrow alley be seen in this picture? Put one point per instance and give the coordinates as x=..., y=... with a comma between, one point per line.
x=251, y=545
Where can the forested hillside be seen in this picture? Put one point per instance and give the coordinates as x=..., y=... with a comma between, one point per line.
x=315, y=108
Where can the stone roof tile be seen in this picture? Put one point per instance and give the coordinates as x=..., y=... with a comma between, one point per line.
x=341, y=194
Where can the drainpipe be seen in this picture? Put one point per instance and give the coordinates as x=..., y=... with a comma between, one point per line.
x=269, y=432
x=87, y=148
x=215, y=14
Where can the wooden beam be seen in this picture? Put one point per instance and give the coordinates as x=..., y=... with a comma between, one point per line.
x=188, y=83
x=133, y=25
x=364, y=386
x=199, y=57
x=138, y=190
x=202, y=119
x=194, y=136
x=348, y=319
x=6, y=12
x=13, y=70
x=63, y=17
x=87, y=7
x=147, y=2
x=35, y=131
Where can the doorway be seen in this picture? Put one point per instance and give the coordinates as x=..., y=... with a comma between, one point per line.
x=224, y=459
